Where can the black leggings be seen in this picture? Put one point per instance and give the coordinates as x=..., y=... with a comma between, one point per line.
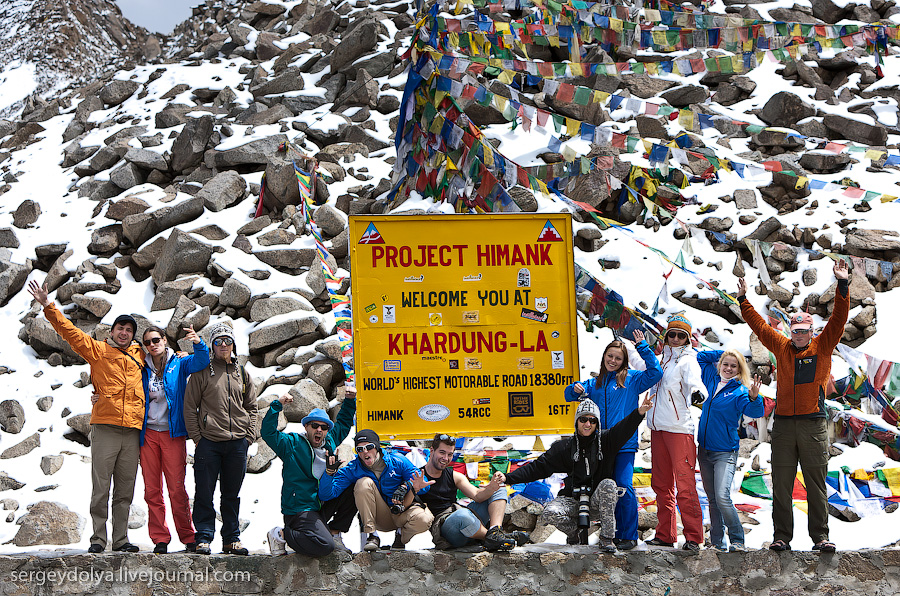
x=308, y=533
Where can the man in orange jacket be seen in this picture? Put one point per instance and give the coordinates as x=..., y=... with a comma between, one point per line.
x=799, y=433
x=116, y=418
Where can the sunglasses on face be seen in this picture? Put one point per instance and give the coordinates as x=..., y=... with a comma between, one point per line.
x=366, y=447
x=152, y=340
x=318, y=425
x=800, y=331
x=587, y=420
x=223, y=341
x=677, y=335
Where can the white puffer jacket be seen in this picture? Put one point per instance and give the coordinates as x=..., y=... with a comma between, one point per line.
x=672, y=401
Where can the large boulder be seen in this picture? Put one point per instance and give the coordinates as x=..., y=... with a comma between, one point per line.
x=12, y=416
x=182, y=254
x=234, y=293
x=48, y=522
x=785, y=109
x=266, y=308
x=22, y=448
x=141, y=227
x=117, y=91
x=355, y=43
x=187, y=151
x=147, y=159
x=682, y=97
x=855, y=130
x=289, y=80
x=307, y=395
x=257, y=152
x=223, y=190
x=282, y=331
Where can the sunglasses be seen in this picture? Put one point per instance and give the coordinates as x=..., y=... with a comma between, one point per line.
x=587, y=420
x=677, y=335
x=223, y=341
x=152, y=340
x=366, y=447
x=800, y=331
x=318, y=425
x=445, y=438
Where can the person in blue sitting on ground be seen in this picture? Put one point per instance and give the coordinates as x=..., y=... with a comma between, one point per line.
x=726, y=378
x=615, y=390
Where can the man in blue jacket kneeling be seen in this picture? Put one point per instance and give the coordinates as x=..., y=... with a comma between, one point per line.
x=311, y=527
x=381, y=483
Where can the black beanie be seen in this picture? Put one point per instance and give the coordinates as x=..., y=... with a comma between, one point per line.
x=367, y=436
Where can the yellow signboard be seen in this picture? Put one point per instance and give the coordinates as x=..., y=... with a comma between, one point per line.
x=463, y=324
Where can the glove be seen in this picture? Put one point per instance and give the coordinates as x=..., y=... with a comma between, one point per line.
x=582, y=395
x=400, y=493
x=332, y=464
x=696, y=398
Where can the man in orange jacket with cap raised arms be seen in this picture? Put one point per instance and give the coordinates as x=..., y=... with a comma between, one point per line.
x=116, y=418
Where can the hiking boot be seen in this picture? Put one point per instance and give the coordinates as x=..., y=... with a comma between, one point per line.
x=496, y=540
x=692, y=547
x=373, y=542
x=191, y=547
x=606, y=545
x=202, y=548
x=624, y=544
x=737, y=547
x=95, y=548
x=234, y=548
x=398, y=542
x=339, y=543
x=277, y=544
x=161, y=548
x=657, y=542
x=127, y=548
x=521, y=538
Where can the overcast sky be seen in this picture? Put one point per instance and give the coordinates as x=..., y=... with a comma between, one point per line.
x=158, y=16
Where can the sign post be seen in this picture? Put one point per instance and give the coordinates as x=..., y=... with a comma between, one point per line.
x=463, y=324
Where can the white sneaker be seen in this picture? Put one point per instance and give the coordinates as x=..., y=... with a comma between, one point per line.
x=277, y=544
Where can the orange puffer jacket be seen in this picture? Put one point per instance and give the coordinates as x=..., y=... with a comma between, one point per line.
x=802, y=374
x=116, y=375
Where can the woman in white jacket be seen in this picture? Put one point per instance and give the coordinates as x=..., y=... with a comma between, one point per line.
x=672, y=446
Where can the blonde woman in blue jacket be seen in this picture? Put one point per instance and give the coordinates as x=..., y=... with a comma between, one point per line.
x=726, y=378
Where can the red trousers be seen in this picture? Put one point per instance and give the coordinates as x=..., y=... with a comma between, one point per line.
x=674, y=460
x=161, y=455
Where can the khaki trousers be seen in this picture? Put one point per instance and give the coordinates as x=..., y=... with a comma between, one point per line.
x=114, y=460
x=374, y=513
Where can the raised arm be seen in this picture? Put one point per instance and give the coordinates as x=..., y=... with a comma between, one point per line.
x=274, y=438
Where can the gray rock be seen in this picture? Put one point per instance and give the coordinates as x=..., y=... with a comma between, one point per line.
x=265, y=45
x=257, y=152
x=682, y=97
x=169, y=293
x=276, y=237
x=785, y=109
x=330, y=220
x=354, y=44
x=8, y=238
x=717, y=224
x=86, y=107
x=107, y=157
x=234, y=293
x=361, y=92
x=189, y=146
x=50, y=464
x=261, y=460
x=95, y=305
x=828, y=11
x=824, y=162
x=126, y=176
x=147, y=159
x=182, y=254
x=45, y=403
x=141, y=227
x=12, y=280
x=106, y=240
x=270, y=116
x=22, y=448
x=187, y=312
x=122, y=208
x=272, y=335
x=26, y=214
x=872, y=240
x=745, y=199
x=117, y=91
x=7, y=482
x=308, y=395
x=266, y=308
x=287, y=258
x=173, y=115
x=302, y=103
x=80, y=423
x=12, y=416
x=223, y=190
x=854, y=130
x=289, y=80
x=137, y=517
x=48, y=522
x=255, y=225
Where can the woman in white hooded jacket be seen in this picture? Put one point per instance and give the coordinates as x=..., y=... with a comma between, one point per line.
x=672, y=446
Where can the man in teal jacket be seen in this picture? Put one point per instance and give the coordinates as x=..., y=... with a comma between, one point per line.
x=311, y=527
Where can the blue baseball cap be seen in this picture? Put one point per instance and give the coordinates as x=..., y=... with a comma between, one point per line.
x=318, y=415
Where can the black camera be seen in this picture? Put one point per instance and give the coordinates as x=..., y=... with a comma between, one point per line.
x=399, y=495
x=582, y=494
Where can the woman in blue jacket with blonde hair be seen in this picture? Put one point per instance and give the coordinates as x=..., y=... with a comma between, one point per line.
x=615, y=390
x=727, y=378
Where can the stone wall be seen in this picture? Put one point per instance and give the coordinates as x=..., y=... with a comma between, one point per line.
x=530, y=570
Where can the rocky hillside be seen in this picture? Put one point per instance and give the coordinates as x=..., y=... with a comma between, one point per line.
x=138, y=190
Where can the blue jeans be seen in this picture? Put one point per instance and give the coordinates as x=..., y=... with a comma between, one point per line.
x=717, y=472
x=215, y=461
x=627, y=505
x=462, y=524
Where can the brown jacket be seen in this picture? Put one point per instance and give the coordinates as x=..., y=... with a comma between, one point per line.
x=802, y=374
x=115, y=374
x=221, y=406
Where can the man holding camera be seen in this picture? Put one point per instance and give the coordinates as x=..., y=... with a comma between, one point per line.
x=588, y=457
x=454, y=525
x=381, y=481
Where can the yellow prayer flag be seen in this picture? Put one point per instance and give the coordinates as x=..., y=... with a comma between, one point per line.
x=615, y=25
x=453, y=40
x=501, y=28
x=542, y=187
x=686, y=119
x=648, y=146
x=652, y=68
x=554, y=41
x=506, y=77
x=802, y=181
x=874, y=154
x=577, y=69
x=500, y=102
x=601, y=96
x=573, y=127
x=888, y=198
x=438, y=98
